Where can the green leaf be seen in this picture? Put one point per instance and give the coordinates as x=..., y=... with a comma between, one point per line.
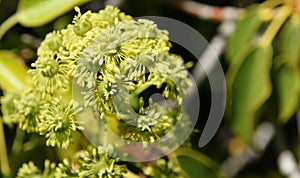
x=250, y=88
x=288, y=88
x=13, y=74
x=244, y=31
x=289, y=42
x=194, y=168
x=32, y=13
x=195, y=163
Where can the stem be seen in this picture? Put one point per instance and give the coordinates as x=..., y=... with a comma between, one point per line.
x=173, y=157
x=188, y=152
x=272, y=3
x=7, y=24
x=17, y=145
x=275, y=25
x=143, y=87
x=5, y=169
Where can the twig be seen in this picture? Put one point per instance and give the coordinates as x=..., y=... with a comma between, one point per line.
x=5, y=169
x=263, y=135
x=209, y=58
x=204, y=11
x=283, y=13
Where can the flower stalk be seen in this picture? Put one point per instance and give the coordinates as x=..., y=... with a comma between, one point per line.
x=4, y=163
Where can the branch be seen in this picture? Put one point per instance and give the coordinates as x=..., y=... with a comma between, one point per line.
x=204, y=11
x=5, y=169
x=262, y=136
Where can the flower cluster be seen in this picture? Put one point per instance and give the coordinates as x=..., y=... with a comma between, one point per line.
x=45, y=107
x=115, y=59
x=117, y=63
x=9, y=109
x=162, y=168
x=93, y=163
x=97, y=162
x=59, y=125
x=31, y=170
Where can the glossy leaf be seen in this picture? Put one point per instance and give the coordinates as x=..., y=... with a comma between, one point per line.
x=32, y=13
x=194, y=168
x=250, y=88
x=13, y=74
x=288, y=88
x=290, y=42
x=245, y=30
x=195, y=164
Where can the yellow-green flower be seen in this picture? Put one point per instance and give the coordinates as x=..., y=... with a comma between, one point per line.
x=30, y=110
x=59, y=125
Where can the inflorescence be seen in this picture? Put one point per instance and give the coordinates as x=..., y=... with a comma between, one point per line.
x=115, y=59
